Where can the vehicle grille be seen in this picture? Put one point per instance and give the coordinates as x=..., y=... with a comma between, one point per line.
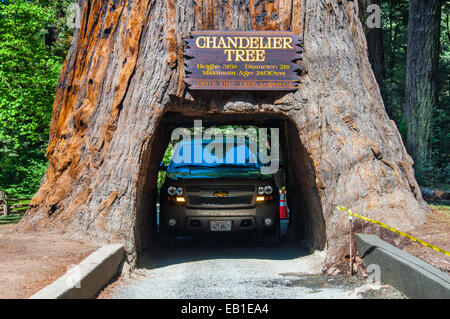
x=224, y=188
x=220, y=201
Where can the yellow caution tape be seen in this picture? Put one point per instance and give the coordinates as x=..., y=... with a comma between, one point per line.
x=395, y=231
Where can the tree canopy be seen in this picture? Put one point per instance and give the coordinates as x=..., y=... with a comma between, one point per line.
x=30, y=63
x=436, y=171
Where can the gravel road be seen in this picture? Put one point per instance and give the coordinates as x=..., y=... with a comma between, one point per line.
x=238, y=268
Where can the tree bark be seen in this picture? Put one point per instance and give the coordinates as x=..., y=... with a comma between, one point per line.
x=124, y=76
x=422, y=67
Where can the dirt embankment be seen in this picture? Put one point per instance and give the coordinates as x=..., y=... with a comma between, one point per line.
x=435, y=231
x=31, y=260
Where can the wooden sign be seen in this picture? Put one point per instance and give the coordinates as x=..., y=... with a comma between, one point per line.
x=243, y=60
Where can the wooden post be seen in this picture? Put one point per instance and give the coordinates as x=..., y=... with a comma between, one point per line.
x=3, y=203
x=350, y=219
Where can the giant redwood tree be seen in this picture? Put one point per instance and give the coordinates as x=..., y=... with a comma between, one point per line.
x=124, y=76
x=422, y=65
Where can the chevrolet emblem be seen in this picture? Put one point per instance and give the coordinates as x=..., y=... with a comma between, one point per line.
x=220, y=194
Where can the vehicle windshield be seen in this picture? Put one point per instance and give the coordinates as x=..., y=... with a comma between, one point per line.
x=214, y=159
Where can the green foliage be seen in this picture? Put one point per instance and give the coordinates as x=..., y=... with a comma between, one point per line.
x=29, y=70
x=166, y=160
x=395, y=38
x=441, y=118
x=437, y=171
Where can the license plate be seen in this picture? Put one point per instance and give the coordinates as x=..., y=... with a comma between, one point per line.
x=220, y=226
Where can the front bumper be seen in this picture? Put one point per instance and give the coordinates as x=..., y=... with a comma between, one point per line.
x=195, y=221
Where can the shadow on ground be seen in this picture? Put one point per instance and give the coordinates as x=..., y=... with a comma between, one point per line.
x=189, y=249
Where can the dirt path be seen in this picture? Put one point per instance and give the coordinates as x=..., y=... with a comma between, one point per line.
x=196, y=269
x=243, y=269
x=29, y=260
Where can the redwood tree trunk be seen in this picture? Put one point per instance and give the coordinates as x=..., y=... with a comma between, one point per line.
x=422, y=67
x=374, y=37
x=125, y=72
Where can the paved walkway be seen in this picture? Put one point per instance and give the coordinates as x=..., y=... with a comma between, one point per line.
x=236, y=268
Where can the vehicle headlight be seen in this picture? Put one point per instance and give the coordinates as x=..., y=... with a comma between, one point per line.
x=268, y=190
x=172, y=190
x=180, y=191
x=261, y=190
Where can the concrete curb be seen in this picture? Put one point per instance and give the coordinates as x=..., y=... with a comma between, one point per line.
x=85, y=280
x=412, y=276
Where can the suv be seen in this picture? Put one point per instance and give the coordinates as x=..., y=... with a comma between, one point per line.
x=225, y=196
